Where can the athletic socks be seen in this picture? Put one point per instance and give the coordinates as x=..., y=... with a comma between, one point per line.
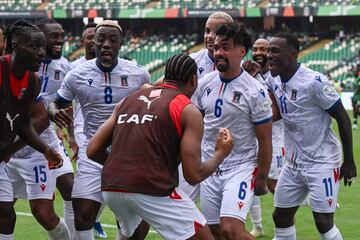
x=332, y=234
x=83, y=235
x=69, y=216
x=59, y=232
x=255, y=213
x=285, y=233
x=6, y=236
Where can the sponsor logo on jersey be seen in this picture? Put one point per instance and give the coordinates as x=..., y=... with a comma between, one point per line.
x=57, y=75
x=147, y=101
x=201, y=70
x=90, y=81
x=262, y=92
x=293, y=94
x=276, y=87
x=11, y=120
x=318, y=78
x=208, y=91
x=236, y=98
x=124, y=80
x=135, y=118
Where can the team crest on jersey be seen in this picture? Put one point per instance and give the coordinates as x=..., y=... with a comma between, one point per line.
x=293, y=94
x=57, y=75
x=124, y=81
x=22, y=93
x=236, y=98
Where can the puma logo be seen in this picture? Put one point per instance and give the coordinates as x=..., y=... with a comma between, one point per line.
x=146, y=100
x=11, y=121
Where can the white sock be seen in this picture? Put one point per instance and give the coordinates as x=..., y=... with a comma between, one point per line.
x=332, y=234
x=100, y=212
x=69, y=216
x=59, y=232
x=6, y=236
x=83, y=235
x=255, y=213
x=285, y=233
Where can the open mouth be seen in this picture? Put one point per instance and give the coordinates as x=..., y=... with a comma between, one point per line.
x=57, y=48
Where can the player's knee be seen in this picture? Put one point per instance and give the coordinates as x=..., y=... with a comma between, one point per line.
x=47, y=219
x=7, y=218
x=323, y=223
x=230, y=231
x=281, y=219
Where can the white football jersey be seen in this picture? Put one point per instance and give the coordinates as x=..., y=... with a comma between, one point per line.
x=303, y=100
x=99, y=90
x=239, y=105
x=51, y=72
x=204, y=63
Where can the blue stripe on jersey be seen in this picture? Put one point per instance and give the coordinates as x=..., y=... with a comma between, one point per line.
x=266, y=120
x=62, y=99
x=334, y=106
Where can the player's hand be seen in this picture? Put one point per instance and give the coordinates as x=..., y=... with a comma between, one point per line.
x=260, y=185
x=61, y=135
x=62, y=117
x=146, y=85
x=348, y=172
x=224, y=143
x=252, y=67
x=54, y=159
x=74, y=147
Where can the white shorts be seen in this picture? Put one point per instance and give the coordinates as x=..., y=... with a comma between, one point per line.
x=31, y=177
x=294, y=185
x=6, y=191
x=227, y=195
x=87, y=181
x=193, y=191
x=67, y=166
x=277, y=162
x=174, y=217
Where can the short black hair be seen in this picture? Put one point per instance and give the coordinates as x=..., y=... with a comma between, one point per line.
x=237, y=32
x=89, y=25
x=19, y=29
x=42, y=22
x=180, y=68
x=291, y=40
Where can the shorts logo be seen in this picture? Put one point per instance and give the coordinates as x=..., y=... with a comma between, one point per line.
x=241, y=204
x=124, y=81
x=42, y=186
x=293, y=94
x=236, y=98
x=90, y=81
x=330, y=202
x=57, y=75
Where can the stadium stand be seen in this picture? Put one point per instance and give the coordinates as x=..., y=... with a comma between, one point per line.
x=304, y=3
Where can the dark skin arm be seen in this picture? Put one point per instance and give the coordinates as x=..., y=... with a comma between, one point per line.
x=264, y=136
x=61, y=113
x=348, y=167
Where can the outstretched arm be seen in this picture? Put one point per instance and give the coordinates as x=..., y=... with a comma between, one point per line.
x=60, y=112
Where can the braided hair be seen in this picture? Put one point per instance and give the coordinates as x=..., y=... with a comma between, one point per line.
x=180, y=68
x=19, y=29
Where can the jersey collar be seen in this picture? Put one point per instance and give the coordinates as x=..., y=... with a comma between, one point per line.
x=224, y=80
x=106, y=69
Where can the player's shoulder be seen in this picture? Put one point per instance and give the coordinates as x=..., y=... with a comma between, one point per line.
x=130, y=66
x=199, y=54
x=84, y=68
x=308, y=78
x=77, y=62
x=208, y=79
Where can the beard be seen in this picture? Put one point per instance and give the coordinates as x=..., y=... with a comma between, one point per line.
x=224, y=66
x=262, y=62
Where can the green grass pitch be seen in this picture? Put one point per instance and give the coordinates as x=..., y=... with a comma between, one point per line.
x=347, y=218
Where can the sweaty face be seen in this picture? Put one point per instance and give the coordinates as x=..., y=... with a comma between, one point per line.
x=88, y=39
x=31, y=51
x=227, y=55
x=209, y=34
x=259, y=52
x=107, y=45
x=279, y=56
x=54, y=34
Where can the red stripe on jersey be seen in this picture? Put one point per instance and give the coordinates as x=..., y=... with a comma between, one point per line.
x=176, y=107
x=17, y=85
x=336, y=174
x=252, y=186
x=283, y=151
x=197, y=226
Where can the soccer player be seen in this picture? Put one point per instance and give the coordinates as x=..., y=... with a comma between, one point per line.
x=231, y=98
x=87, y=40
x=98, y=85
x=142, y=184
x=19, y=89
x=259, y=52
x=306, y=101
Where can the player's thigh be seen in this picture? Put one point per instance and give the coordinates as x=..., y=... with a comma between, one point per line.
x=276, y=163
x=6, y=192
x=291, y=189
x=67, y=165
x=210, y=198
x=122, y=207
x=17, y=182
x=324, y=189
x=238, y=194
x=167, y=214
x=193, y=191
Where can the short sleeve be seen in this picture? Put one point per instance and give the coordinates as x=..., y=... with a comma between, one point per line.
x=67, y=87
x=147, y=78
x=261, y=111
x=269, y=84
x=324, y=93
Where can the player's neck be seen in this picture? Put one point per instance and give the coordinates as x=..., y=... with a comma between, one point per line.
x=290, y=72
x=106, y=67
x=230, y=74
x=89, y=56
x=16, y=68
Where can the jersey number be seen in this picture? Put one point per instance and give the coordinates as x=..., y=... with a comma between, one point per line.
x=283, y=104
x=218, y=110
x=44, y=81
x=328, y=186
x=242, y=190
x=40, y=173
x=108, y=95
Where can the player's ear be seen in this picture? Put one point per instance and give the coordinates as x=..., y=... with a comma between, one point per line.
x=14, y=46
x=194, y=80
